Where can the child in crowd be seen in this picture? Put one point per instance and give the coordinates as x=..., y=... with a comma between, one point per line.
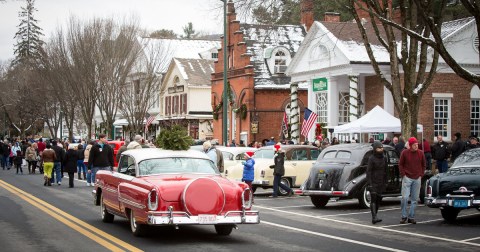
x=17, y=160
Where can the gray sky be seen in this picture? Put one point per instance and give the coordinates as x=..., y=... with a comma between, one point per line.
x=152, y=14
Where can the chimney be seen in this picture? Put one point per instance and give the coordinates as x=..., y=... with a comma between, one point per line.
x=306, y=10
x=331, y=17
x=362, y=14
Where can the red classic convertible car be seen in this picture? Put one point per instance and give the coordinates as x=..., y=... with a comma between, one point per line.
x=172, y=188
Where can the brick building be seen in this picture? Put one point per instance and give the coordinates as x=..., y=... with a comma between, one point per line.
x=259, y=92
x=333, y=54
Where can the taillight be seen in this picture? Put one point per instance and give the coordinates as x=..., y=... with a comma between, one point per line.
x=429, y=191
x=262, y=173
x=247, y=198
x=226, y=173
x=152, y=200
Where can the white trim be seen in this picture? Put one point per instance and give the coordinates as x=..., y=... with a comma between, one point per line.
x=442, y=95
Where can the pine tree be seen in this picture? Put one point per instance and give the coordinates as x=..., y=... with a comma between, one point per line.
x=189, y=31
x=28, y=36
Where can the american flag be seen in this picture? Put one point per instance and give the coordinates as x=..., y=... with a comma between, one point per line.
x=309, y=118
x=148, y=121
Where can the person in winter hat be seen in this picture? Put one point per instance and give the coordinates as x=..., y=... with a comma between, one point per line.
x=279, y=171
x=412, y=167
x=248, y=169
x=458, y=146
x=377, y=178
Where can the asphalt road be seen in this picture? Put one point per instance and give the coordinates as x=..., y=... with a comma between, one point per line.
x=58, y=218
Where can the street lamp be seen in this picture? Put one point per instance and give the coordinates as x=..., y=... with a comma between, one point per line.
x=225, y=98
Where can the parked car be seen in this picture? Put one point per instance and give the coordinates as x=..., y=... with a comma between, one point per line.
x=172, y=188
x=115, y=146
x=298, y=161
x=458, y=188
x=340, y=172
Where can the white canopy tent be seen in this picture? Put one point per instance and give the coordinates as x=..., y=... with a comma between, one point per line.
x=376, y=120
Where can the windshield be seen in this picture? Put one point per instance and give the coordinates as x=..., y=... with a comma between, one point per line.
x=264, y=153
x=176, y=165
x=468, y=158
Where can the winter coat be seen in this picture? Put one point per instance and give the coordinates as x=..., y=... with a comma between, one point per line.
x=70, y=161
x=31, y=154
x=399, y=147
x=101, y=155
x=278, y=167
x=86, y=153
x=59, y=153
x=18, y=159
x=377, y=172
x=457, y=148
x=6, y=150
x=248, y=170
x=134, y=145
x=440, y=151
x=119, y=152
x=81, y=154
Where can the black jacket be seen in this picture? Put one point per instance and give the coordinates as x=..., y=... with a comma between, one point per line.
x=100, y=156
x=278, y=167
x=440, y=151
x=70, y=161
x=81, y=154
x=377, y=172
x=59, y=152
x=457, y=148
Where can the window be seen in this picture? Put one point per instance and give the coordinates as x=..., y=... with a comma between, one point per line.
x=441, y=117
x=344, y=108
x=280, y=62
x=214, y=55
x=322, y=106
x=475, y=111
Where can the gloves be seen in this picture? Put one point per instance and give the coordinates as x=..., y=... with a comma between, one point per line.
x=243, y=162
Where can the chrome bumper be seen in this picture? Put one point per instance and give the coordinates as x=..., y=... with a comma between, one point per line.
x=260, y=182
x=325, y=193
x=183, y=218
x=447, y=201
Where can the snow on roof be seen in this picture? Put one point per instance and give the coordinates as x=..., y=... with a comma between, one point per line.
x=262, y=38
x=195, y=71
x=450, y=27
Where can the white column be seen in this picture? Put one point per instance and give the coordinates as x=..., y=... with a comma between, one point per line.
x=294, y=119
x=354, y=97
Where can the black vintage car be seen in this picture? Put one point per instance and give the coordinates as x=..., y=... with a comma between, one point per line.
x=340, y=172
x=458, y=188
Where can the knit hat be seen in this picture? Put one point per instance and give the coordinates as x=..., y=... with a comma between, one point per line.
x=412, y=141
x=377, y=144
x=249, y=154
x=276, y=147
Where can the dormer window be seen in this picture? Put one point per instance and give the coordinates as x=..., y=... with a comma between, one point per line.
x=280, y=62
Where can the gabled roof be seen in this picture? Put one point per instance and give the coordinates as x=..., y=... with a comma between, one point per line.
x=195, y=71
x=261, y=39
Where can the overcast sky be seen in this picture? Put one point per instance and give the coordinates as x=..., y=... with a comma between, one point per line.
x=152, y=14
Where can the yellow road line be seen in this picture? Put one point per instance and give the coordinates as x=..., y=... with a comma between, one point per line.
x=67, y=219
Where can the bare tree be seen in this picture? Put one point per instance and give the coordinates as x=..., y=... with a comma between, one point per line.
x=407, y=55
x=142, y=88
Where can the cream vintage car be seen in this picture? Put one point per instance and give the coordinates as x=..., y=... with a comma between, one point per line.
x=298, y=161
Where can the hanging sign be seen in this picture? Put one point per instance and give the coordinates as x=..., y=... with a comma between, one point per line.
x=320, y=84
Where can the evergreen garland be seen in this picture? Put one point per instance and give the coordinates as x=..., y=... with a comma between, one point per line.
x=175, y=138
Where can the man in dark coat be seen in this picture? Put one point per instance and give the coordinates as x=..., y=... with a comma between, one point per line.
x=279, y=171
x=472, y=143
x=400, y=146
x=440, y=153
x=57, y=164
x=377, y=178
x=70, y=164
x=458, y=146
x=101, y=157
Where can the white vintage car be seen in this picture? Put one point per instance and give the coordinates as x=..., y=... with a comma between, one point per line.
x=298, y=161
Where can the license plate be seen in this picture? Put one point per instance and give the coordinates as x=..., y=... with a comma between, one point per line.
x=321, y=176
x=460, y=203
x=207, y=219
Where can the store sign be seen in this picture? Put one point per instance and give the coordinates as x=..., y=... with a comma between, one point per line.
x=254, y=128
x=320, y=84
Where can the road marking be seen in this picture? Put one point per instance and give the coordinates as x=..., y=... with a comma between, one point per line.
x=382, y=229
x=330, y=236
x=398, y=225
x=471, y=239
x=71, y=221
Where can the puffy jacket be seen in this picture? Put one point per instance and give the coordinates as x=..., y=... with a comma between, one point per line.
x=377, y=172
x=248, y=170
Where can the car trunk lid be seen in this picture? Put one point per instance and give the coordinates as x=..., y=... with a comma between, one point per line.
x=325, y=175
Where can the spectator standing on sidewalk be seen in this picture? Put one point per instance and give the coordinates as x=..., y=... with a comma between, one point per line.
x=122, y=149
x=472, y=143
x=136, y=144
x=377, y=178
x=248, y=169
x=279, y=171
x=440, y=153
x=100, y=158
x=458, y=146
x=70, y=163
x=86, y=153
x=412, y=167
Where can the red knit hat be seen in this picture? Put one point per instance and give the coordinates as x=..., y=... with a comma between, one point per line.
x=276, y=147
x=412, y=140
x=249, y=154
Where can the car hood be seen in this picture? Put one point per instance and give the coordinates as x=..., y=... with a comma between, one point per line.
x=171, y=187
x=329, y=172
x=454, y=178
